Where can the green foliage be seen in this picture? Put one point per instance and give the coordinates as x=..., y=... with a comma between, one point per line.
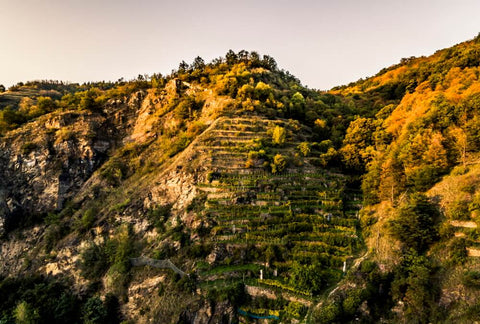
x=235, y=294
x=94, y=311
x=46, y=104
x=87, y=219
x=471, y=279
x=416, y=223
x=458, y=210
x=296, y=310
x=187, y=283
x=114, y=171
x=113, y=255
x=329, y=313
x=89, y=100
x=457, y=252
x=312, y=278
x=37, y=300
x=54, y=233
x=120, y=248
x=25, y=314
x=413, y=285
x=94, y=261
x=10, y=119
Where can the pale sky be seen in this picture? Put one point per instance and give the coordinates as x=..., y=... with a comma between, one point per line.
x=323, y=43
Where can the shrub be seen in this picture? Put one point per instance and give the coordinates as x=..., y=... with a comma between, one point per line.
x=458, y=209
x=279, y=135
x=330, y=313
x=457, y=251
x=94, y=311
x=24, y=313
x=94, y=261
x=87, y=219
x=471, y=279
x=304, y=148
x=279, y=163
x=158, y=216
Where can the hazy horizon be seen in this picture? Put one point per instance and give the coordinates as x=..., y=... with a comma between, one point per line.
x=323, y=43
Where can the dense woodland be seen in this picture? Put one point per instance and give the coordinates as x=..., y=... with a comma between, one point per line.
x=404, y=142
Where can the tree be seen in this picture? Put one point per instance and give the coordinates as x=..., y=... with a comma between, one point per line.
x=269, y=63
x=88, y=100
x=297, y=104
x=94, y=311
x=198, y=63
x=182, y=67
x=279, y=163
x=460, y=138
x=231, y=57
x=2, y=88
x=94, y=261
x=392, y=179
x=358, y=143
x=308, y=277
x=46, y=104
x=24, y=313
x=262, y=91
x=320, y=128
x=415, y=224
x=436, y=154
x=279, y=135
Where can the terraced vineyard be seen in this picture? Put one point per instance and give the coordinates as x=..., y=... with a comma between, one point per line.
x=278, y=223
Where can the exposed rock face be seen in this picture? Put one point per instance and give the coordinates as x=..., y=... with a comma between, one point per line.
x=42, y=167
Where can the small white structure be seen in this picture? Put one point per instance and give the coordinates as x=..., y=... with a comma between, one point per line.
x=344, y=266
x=261, y=274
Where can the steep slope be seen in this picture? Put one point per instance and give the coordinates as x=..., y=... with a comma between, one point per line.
x=417, y=149
x=228, y=192
x=228, y=169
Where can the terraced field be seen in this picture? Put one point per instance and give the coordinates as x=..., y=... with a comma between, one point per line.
x=274, y=222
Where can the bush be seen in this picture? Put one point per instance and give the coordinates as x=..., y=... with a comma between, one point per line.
x=25, y=314
x=37, y=300
x=94, y=311
x=457, y=251
x=187, y=283
x=279, y=163
x=114, y=171
x=279, y=135
x=87, y=219
x=471, y=279
x=235, y=294
x=330, y=313
x=94, y=262
x=459, y=210
x=158, y=216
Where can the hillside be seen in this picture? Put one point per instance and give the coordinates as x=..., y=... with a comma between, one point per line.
x=229, y=170
x=418, y=153
x=227, y=192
